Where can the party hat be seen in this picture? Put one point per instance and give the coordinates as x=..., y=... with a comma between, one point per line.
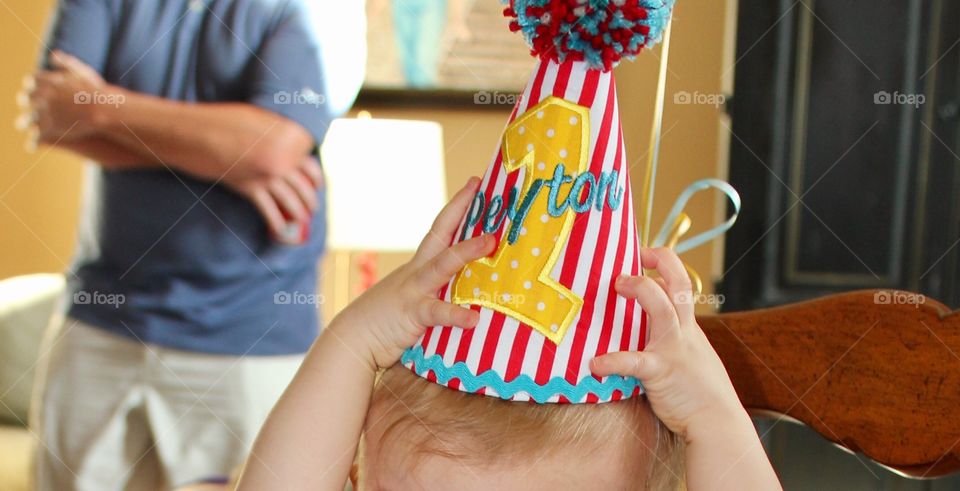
x=557, y=196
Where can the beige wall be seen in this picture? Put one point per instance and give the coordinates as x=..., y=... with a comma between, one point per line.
x=39, y=192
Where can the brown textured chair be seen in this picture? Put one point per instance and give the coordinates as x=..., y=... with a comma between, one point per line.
x=874, y=371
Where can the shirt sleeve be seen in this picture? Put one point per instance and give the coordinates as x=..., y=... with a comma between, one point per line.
x=81, y=28
x=288, y=76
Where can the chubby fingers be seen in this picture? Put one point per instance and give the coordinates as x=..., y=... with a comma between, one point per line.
x=643, y=365
x=676, y=280
x=438, y=270
x=436, y=312
x=441, y=233
x=653, y=299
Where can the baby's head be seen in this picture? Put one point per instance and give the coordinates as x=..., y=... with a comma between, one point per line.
x=420, y=435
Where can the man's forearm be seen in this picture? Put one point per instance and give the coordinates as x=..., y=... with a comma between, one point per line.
x=206, y=140
x=110, y=154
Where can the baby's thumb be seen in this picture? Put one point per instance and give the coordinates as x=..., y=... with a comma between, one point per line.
x=644, y=366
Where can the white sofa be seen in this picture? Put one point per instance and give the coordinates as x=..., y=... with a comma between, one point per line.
x=27, y=305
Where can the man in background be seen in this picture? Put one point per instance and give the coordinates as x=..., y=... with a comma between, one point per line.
x=191, y=302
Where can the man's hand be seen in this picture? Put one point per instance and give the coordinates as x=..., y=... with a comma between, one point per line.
x=63, y=101
x=69, y=105
x=288, y=197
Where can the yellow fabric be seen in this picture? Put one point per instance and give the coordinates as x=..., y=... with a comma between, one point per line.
x=516, y=280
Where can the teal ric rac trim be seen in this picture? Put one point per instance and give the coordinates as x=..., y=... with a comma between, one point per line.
x=523, y=383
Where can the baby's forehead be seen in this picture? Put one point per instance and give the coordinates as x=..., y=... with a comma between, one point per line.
x=391, y=468
x=420, y=431
x=400, y=462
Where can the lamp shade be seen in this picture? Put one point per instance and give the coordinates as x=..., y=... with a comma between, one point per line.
x=385, y=182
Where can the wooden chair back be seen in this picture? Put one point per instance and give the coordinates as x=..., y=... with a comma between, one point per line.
x=874, y=371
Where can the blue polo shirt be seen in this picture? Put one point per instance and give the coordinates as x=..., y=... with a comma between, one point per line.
x=175, y=261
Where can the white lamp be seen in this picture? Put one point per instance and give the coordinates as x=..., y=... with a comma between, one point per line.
x=385, y=182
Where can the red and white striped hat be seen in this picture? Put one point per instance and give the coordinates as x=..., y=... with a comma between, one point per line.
x=557, y=196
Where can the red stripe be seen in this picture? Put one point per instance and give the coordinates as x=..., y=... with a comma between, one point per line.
x=515, y=364
x=442, y=294
x=596, y=266
x=426, y=337
x=463, y=348
x=549, y=350
x=638, y=271
x=490, y=344
x=534, y=96
x=626, y=221
x=589, y=91
x=563, y=78
x=631, y=304
x=465, y=341
x=444, y=339
x=603, y=344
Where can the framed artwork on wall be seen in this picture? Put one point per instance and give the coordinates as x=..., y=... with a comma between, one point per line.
x=459, y=50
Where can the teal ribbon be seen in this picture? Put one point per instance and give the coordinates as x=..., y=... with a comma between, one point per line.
x=676, y=215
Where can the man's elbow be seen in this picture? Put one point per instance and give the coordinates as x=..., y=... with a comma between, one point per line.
x=281, y=150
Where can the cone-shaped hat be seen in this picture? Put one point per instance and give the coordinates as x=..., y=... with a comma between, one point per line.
x=557, y=196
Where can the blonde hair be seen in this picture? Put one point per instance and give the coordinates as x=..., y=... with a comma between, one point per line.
x=463, y=426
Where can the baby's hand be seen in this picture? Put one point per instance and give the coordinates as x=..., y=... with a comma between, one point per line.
x=685, y=381
x=394, y=313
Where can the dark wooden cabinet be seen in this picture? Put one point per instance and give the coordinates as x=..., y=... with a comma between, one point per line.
x=845, y=150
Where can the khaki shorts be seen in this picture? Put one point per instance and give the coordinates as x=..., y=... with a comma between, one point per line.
x=112, y=413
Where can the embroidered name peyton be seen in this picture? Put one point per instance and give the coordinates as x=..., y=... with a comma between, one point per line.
x=585, y=190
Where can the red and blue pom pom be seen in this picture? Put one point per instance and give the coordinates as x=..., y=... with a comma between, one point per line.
x=599, y=32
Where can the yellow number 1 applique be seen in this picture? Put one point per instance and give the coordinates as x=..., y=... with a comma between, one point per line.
x=516, y=279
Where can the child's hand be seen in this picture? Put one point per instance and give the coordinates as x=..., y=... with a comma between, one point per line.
x=394, y=313
x=685, y=381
